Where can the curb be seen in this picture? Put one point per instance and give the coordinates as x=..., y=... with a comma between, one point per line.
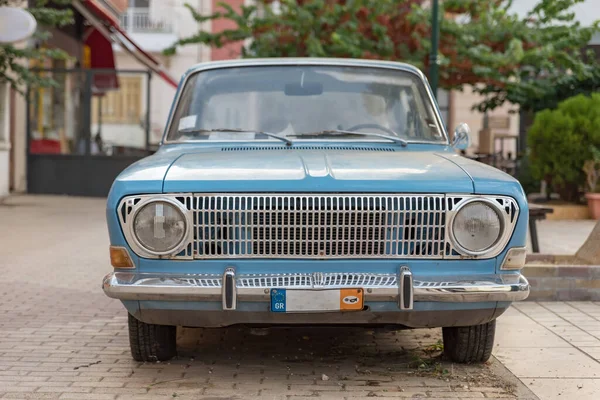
x=563, y=282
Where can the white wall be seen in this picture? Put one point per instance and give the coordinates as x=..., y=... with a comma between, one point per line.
x=161, y=96
x=462, y=112
x=4, y=139
x=162, y=93
x=20, y=144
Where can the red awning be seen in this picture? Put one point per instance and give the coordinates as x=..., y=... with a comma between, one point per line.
x=101, y=57
x=109, y=27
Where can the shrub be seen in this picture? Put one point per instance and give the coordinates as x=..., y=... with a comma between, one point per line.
x=559, y=142
x=528, y=181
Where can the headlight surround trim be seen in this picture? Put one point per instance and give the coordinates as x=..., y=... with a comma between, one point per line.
x=499, y=244
x=142, y=250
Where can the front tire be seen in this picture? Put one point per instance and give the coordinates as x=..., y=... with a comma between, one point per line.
x=469, y=344
x=151, y=342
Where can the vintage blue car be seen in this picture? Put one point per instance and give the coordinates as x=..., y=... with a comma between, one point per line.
x=319, y=192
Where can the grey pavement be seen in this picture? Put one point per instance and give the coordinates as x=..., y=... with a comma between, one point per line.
x=553, y=348
x=61, y=338
x=562, y=237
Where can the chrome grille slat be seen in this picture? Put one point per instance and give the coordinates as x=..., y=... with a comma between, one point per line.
x=309, y=281
x=318, y=226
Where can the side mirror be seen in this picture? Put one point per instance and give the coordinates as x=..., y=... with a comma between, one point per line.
x=462, y=137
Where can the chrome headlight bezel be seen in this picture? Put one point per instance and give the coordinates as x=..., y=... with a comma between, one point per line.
x=132, y=237
x=506, y=227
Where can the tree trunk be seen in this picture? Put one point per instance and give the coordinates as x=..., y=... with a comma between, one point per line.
x=590, y=251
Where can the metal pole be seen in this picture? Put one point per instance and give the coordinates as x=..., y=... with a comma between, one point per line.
x=435, y=39
x=28, y=136
x=86, y=129
x=148, y=122
x=100, y=115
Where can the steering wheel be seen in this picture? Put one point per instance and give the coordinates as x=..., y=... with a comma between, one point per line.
x=372, y=126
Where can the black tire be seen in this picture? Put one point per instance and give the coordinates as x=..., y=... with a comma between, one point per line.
x=469, y=344
x=150, y=342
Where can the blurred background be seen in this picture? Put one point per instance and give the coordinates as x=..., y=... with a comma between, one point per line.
x=91, y=91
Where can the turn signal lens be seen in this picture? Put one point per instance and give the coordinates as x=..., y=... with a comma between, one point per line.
x=515, y=258
x=119, y=257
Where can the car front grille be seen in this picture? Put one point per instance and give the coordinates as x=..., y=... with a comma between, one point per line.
x=317, y=226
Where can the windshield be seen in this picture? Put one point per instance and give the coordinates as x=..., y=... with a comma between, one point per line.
x=246, y=103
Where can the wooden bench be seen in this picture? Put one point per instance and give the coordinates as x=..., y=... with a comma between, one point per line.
x=536, y=213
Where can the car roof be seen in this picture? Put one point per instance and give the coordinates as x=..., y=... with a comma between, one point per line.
x=306, y=61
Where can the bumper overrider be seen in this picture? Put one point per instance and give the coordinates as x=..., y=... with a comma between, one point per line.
x=232, y=288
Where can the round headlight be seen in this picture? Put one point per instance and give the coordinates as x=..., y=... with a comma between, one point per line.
x=477, y=226
x=159, y=227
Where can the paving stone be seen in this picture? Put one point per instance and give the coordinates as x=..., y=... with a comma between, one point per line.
x=61, y=338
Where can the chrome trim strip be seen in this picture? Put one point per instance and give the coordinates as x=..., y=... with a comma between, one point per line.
x=142, y=286
x=474, y=291
x=319, y=226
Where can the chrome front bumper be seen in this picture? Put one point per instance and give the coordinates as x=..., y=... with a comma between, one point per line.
x=231, y=288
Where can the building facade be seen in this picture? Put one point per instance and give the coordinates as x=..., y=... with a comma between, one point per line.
x=123, y=116
x=155, y=25
x=127, y=109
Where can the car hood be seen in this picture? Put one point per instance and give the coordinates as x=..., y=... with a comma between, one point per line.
x=315, y=170
x=487, y=179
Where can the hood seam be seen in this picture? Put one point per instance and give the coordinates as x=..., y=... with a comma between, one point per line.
x=164, y=178
x=459, y=166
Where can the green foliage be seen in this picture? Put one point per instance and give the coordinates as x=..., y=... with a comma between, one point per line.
x=560, y=140
x=14, y=59
x=552, y=66
x=522, y=60
x=549, y=92
x=526, y=178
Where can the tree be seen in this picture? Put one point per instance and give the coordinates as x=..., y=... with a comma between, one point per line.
x=505, y=57
x=13, y=59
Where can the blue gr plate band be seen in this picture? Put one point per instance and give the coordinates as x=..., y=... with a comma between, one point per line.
x=278, y=300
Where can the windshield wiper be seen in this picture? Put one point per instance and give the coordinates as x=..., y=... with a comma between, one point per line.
x=273, y=135
x=338, y=132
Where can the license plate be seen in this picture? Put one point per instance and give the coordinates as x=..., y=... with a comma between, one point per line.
x=288, y=300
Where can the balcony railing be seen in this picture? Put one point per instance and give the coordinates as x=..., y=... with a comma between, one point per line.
x=139, y=20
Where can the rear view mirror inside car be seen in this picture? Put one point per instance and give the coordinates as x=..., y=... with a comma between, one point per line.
x=304, y=89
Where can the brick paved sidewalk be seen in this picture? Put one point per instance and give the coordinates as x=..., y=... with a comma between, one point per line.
x=554, y=348
x=61, y=338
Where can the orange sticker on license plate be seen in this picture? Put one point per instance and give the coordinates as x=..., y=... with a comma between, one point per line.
x=351, y=299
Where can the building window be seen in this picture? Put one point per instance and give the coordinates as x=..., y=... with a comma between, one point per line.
x=52, y=111
x=139, y=3
x=141, y=18
x=118, y=120
x=123, y=106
